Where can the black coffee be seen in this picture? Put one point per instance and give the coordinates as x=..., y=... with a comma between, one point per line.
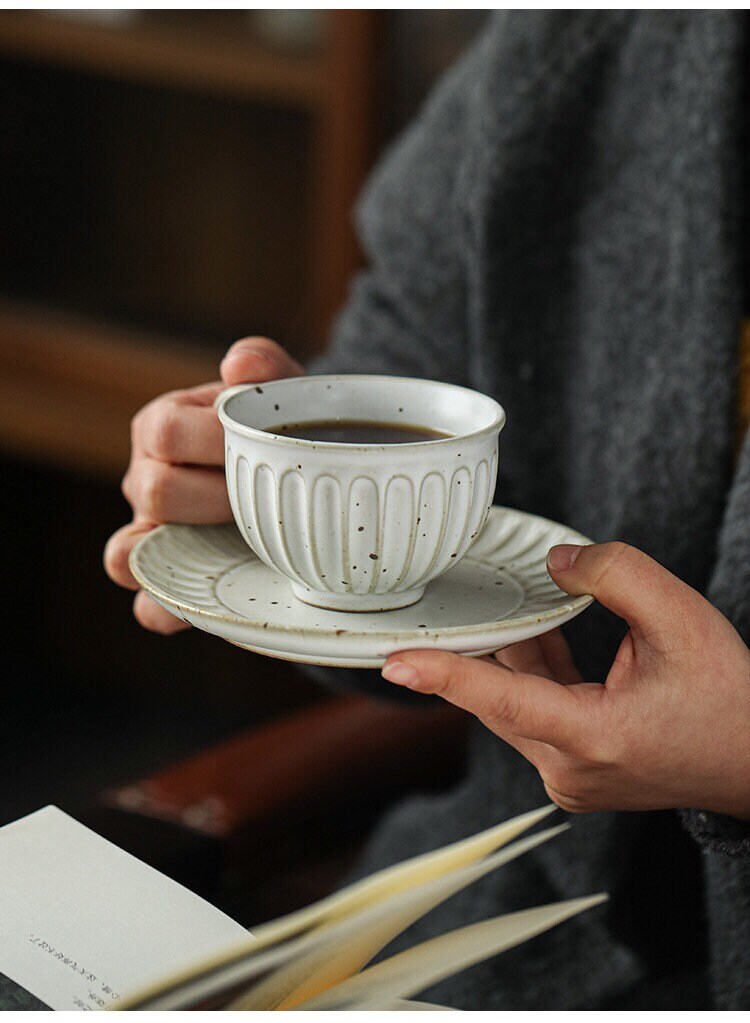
x=345, y=431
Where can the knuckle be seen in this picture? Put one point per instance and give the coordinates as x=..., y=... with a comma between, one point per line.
x=164, y=442
x=609, y=555
x=600, y=753
x=565, y=785
x=155, y=492
x=505, y=710
x=568, y=802
x=447, y=673
x=270, y=356
x=126, y=487
x=559, y=778
x=136, y=424
x=605, y=743
x=446, y=681
x=256, y=344
x=609, y=749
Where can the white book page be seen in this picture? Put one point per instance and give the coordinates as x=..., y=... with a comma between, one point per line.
x=345, y=946
x=84, y=924
x=402, y=877
x=330, y=925
x=418, y=968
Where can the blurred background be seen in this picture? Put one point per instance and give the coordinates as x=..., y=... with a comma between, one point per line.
x=171, y=181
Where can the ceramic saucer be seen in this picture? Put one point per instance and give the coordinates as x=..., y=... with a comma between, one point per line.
x=499, y=593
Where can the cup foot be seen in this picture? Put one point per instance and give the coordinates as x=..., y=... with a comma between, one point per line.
x=357, y=601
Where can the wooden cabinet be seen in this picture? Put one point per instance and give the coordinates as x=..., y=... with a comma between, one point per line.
x=171, y=182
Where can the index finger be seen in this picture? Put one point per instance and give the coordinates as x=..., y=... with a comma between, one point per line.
x=506, y=701
x=181, y=428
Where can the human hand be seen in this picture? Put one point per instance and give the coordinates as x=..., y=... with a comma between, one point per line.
x=176, y=471
x=669, y=728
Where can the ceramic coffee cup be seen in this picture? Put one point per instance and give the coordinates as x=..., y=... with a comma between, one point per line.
x=360, y=527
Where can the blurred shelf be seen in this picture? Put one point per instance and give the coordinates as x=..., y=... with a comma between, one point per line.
x=69, y=386
x=311, y=112
x=210, y=55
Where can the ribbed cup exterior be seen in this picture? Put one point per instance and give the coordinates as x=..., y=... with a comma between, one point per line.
x=355, y=522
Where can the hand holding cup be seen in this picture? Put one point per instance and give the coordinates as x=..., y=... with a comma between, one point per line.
x=176, y=471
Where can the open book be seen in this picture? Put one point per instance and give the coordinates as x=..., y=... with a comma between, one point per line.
x=85, y=925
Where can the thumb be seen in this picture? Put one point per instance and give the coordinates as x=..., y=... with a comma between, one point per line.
x=256, y=360
x=625, y=580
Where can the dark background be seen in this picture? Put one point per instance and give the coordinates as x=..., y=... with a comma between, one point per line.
x=170, y=181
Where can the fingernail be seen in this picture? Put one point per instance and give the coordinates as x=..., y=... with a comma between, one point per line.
x=563, y=556
x=401, y=673
x=245, y=348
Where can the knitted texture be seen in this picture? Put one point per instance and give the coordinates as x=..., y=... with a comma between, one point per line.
x=560, y=229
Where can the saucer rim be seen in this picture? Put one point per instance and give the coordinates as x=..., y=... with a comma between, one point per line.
x=563, y=611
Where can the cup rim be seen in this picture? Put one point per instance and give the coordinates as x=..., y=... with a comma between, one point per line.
x=497, y=424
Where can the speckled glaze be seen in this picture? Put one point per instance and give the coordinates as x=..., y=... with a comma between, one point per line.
x=360, y=527
x=500, y=594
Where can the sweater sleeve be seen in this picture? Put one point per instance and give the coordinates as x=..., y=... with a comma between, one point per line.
x=406, y=312
x=716, y=833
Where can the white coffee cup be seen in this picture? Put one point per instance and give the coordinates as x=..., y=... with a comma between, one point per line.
x=360, y=527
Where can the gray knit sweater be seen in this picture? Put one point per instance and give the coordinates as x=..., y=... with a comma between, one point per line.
x=560, y=229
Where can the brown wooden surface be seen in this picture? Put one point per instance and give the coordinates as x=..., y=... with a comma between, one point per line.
x=345, y=150
x=345, y=750
x=204, y=55
x=69, y=387
x=285, y=807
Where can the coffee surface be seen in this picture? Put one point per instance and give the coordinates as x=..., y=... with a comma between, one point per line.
x=345, y=431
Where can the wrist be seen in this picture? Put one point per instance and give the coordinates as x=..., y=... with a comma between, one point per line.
x=731, y=796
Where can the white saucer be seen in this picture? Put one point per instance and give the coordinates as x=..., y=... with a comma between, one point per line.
x=498, y=594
